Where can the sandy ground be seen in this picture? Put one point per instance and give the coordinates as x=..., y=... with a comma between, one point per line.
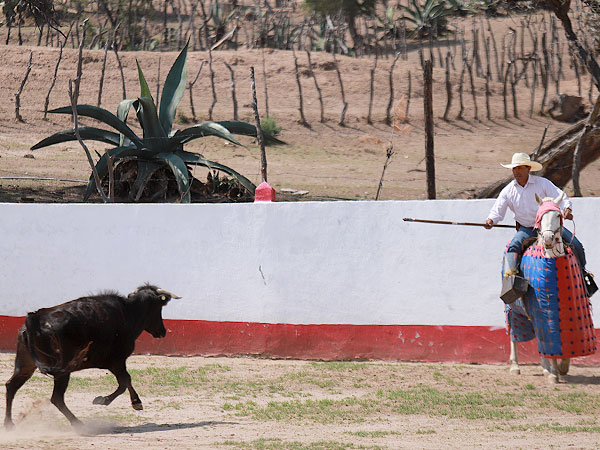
x=247, y=403
x=326, y=159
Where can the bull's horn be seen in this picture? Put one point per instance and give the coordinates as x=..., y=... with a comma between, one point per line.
x=164, y=292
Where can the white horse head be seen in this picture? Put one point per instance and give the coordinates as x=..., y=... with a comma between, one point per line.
x=550, y=228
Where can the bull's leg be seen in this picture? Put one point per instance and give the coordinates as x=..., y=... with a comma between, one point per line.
x=124, y=380
x=514, y=359
x=58, y=399
x=24, y=368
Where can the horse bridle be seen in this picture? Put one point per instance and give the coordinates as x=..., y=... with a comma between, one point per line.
x=557, y=236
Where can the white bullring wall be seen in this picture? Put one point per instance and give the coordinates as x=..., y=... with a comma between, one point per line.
x=302, y=263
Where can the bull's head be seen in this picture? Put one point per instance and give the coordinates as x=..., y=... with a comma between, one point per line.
x=153, y=299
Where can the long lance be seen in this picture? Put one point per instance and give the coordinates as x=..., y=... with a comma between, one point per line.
x=447, y=222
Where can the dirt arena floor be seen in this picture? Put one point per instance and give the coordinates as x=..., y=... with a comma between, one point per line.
x=253, y=403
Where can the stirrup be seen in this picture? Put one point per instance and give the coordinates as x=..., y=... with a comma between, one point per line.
x=590, y=285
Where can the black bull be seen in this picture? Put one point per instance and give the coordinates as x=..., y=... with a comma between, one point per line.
x=90, y=332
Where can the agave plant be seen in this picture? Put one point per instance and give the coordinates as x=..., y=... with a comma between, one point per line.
x=428, y=18
x=160, y=150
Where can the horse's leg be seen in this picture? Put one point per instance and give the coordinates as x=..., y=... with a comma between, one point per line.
x=514, y=359
x=563, y=367
x=550, y=370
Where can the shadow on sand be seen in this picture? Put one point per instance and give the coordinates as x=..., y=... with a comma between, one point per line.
x=95, y=430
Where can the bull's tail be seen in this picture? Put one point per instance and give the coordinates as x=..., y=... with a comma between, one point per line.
x=47, y=351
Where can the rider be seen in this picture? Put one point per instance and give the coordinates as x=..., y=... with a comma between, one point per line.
x=519, y=197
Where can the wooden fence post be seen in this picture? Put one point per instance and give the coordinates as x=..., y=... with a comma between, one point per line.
x=428, y=109
x=259, y=133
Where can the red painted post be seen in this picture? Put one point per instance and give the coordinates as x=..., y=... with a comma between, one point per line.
x=264, y=193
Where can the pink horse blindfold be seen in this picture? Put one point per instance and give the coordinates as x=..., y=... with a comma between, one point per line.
x=543, y=209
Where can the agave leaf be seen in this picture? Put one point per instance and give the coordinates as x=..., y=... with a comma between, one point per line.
x=201, y=130
x=173, y=90
x=180, y=171
x=197, y=160
x=155, y=137
x=122, y=114
x=124, y=107
x=92, y=133
x=145, y=170
x=116, y=153
x=103, y=116
x=145, y=90
x=247, y=129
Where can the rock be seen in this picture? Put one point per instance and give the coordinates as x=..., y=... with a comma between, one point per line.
x=566, y=108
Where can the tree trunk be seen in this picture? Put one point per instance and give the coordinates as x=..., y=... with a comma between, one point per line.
x=557, y=157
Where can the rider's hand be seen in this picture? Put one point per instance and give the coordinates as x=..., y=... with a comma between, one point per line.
x=489, y=223
x=567, y=214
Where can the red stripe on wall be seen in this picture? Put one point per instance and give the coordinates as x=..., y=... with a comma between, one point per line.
x=446, y=343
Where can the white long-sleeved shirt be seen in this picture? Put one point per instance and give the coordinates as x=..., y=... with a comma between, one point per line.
x=521, y=200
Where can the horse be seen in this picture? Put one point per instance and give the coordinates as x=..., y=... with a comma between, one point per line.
x=556, y=309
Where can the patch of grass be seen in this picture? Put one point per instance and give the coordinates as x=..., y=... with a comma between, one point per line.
x=307, y=377
x=373, y=434
x=179, y=377
x=85, y=383
x=323, y=411
x=340, y=365
x=439, y=376
x=555, y=427
x=434, y=402
x=279, y=444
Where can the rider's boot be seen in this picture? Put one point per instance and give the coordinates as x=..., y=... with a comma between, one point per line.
x=589, y=283
x=513, y=285
x=511, y=264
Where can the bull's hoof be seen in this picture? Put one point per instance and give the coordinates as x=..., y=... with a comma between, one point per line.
x=9, y=425
x=137, y=405
x=100, y=401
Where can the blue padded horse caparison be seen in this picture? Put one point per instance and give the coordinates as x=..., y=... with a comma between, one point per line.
x=557, y=304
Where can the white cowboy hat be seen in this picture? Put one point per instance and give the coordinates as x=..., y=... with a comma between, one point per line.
x=523, y=159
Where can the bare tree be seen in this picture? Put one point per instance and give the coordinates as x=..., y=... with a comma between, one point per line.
x=388, y=118
x=233, y=97
x=302, y=120
x=312, y=72
x=344, y=103
x=589, y=124
x=191, y=88
x=18, y=93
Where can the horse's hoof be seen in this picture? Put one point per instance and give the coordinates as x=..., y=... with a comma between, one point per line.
x=552, y=379
x=137, y=405
x=99, y=401
x=8, y=425
x=515, y=371
x=563, y=367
